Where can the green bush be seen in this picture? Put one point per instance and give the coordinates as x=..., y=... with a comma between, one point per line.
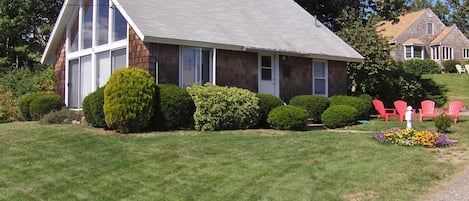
x=363, y=106
x=45, y=104
x=25, y=102
x=63, y=116
x=420, y=67
x=128, y=100
x=337, y=116
x=287, y=117
x=314, y=104
x=366, y=97
x=93, y=108
x=176, y=108
x=219, y=108
x=266, y=103
x=450, y=66
x=442, y=123
x=9, y=110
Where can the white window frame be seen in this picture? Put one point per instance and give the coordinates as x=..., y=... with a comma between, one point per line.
x=447, y=53
x=325, y=78
x=95, y=49
x=212, y=64
x=465, y=53
x=430, y=28
x=436, y=52
x=412, y=52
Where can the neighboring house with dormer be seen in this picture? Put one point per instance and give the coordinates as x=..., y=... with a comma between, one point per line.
x=266, y=46
x=422, y=35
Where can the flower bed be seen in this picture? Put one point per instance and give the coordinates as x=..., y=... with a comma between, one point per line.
x=411, y=137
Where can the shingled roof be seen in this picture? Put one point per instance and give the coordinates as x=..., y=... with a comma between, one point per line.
x=391, y=31
x=280, y=26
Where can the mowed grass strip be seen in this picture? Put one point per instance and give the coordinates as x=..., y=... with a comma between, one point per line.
x=65, y=162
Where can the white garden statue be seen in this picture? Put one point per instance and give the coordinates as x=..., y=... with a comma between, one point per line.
x=408, y=117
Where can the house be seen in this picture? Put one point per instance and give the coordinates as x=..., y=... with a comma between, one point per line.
x=422, y=35
x=266, y=46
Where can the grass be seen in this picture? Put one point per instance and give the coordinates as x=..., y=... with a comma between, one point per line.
x=65, y=162
x=454, y=84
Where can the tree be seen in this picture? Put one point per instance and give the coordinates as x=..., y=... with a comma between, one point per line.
x=25, y=26
x=327, y=11
x=460, y=16
x=439, y=8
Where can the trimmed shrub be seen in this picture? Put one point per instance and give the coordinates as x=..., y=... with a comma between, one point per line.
x=25, y=102
x=419, y=66
x=266, y=103
x=366, y=97
x=363, y=106
x=128, y=100
x=219, y=108
x=339, y=116
x=63, y=116
x=45, y=104
x=9, y=110
x=450, y=66
x=93, y=108
x=287, y=117
x=176, y=108
x=442, y=123
x=314, y=104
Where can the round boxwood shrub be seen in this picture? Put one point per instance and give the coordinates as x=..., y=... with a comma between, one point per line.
x=176, y=108
x=363, y=106
x=45, y=104
x=339, y=116
x=93, y=108
x=222, y=108
x=128, y=100
x=25, y=102
x=450, y=66
x=419, y=66
x=314, y=104
x=287, y=117
x=266, y=103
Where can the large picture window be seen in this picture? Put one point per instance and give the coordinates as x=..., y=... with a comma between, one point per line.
x=97, y=46
x=196, y=66
x=413, y=52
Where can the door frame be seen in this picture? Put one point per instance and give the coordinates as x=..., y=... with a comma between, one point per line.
x=275, y=72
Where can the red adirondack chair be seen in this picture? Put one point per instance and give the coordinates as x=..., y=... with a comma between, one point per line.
x=453, y=110
x=428, y=109
x=384, y=112
x=401, y=108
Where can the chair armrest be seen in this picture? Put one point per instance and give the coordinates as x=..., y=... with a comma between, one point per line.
x=390, y=109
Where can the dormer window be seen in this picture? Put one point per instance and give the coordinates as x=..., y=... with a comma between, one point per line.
x=430, y=29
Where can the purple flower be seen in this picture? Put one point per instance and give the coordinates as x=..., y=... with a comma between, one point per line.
x=443, y=140
x=380, y=137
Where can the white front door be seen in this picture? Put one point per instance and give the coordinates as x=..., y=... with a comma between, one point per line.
x=267, y=74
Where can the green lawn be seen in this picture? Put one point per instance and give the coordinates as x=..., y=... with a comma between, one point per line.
x=66, y=162
x=457, y=85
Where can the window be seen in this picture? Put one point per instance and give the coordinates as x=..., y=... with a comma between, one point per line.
x=413, y=52
x=320, y=74
x=465, y=53
x=430, y=28
x=448, y=53
x=97, y=47
x=196, y=66
x=436, y=52
x=266, y=68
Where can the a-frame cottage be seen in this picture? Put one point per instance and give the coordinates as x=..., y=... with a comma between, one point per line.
x=266, y=46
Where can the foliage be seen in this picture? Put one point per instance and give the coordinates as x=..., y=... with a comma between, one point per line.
x=44, y=104
x=220, y=108
x=328, y=11
x=93, y=108
x=176, y=108
x=63, y=116
x=442, y=123
x=419, y=66
x=366, y=97
x=128, y=100
x=450, y=66
x=287, y=117
x=266, y=103
x=9, y=110
x=25, y=27
x=25, y=102
x=337, y=116
x=314, y=104
x=363, y=106
x=460, y=15
x=24, y=81
x=411, y=137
